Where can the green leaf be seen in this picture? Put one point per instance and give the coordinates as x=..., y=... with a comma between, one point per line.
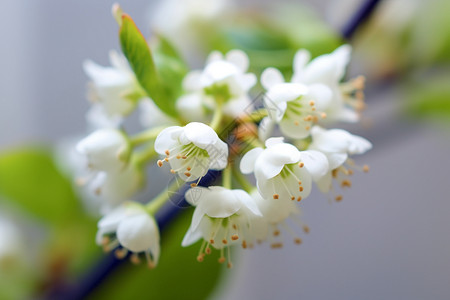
x=137, y=51
x=170, y=65
x=177, y=276
x=30, y=179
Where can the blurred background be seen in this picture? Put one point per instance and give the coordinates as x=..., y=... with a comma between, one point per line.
x=388, y=238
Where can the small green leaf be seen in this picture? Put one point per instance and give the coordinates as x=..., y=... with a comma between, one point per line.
x=177, y=276
x=137, y=51
x=170, y=65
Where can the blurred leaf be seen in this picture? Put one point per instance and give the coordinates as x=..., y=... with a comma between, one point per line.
x=170, y=65
x=30, y=179
x=136, y=50
x=177, y=276
x=430, y=99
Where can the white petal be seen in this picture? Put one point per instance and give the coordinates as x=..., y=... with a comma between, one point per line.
x=324, y=184
x=301, y=58
x=214, y=56
x=274, y=141
x=247, y=164
x=138, y=233
x=191, y=237
x=191, y=81
x=321, y=95
x=218, y=154
x=315, y=162
x=345, y=114
x=198, y=215
x=265, y=128
x=358, y=145
x=200, y=134
x=272, y=160
x=336, y=159
x=294, y=129
x=220, y=203
x=239, y=59
x=119, y=61
x=271, y=77
x=167, y=139
x=191, y=107
x=248, y=201
x=248, y=81
x=151, y=115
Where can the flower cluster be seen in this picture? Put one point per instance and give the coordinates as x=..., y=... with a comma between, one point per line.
x=285, y=145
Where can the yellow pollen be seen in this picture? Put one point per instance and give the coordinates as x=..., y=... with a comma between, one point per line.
x=276, y=196
x=301, y=165
x=208, y=250
x=311, y=103
x=167, y=152
x=292, y=198
x=299, y=199
x=315, y=119
x=178, y=156
x=244, y=244
x=346, y=183
x=313, y=108
x=187, y=174
x=211, y=241
x=193, y=185
x=276, y=245
x=338, y=198
x=188, y=168
x=296, y=123
x=276, y=233
x=350, y=172
x=334, y=173
x=120, y=253
x=229, y=265
x=221, y=260
x=323, y=115
x=134, y=258
x=306, y=228
x=224, y=241
x=234, y=227
x=300, y=189
x=166, y=159
x=298, y=241
x=234, y=237
x=307, y=128
x=366, y=168
x=172, y=171
x=184, y=157
x=200, y=258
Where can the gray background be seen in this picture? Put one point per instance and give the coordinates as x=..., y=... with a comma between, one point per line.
x=388, y=239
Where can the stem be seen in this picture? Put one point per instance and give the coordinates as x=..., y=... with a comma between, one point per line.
x=159, y=201
x=145, y=155
x=146, y=136
x=218, y=114
x=226, y=177
x=243, y=181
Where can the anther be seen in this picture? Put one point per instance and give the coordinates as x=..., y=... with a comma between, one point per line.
x=172, y=171
x=298, y=241
x=276, y=233
x=187, y=174
x=178, y=156
x=366, y=168
x=234, y=237
x=300, y=189
x=166, y=159
x=311, y=103
x=194, y=185
x=167, y=152
x=200, y=258
x=208, y=250
x=306, y=228
x=276, y=245
x=292, y=198
x=160, y=163
x=211, y=241
x=188, y=168
x=301, y=165
x=346, y=183
x=224, y=241
x=307, y=127
x=229, y=265
x=134, y=258
x=296, y=123
x=244, y=244
x=299, y=198
x=323, y=115
x=338, y=198
x=276, y=196
x=184, y=157
x=221, y=260
x=120, y=253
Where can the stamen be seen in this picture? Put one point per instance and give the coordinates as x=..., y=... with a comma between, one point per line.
x=276, y=196
x=134, y=258
x=160, y=163
x=234, y=237
x=366, y=168
x=338, y=198
x=301, y=165
x=121, y=253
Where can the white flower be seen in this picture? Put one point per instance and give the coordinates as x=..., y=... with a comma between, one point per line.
x=275, y=213
x=114, y=88
x=221, y=217
x=282, y=171
x=293, y=106
x=151, y=115
x=337, y=145
x=347, y=99
x=105, y=149
x=192, y=150
x=96, y=118
x=131, y=227
x=224, y=78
